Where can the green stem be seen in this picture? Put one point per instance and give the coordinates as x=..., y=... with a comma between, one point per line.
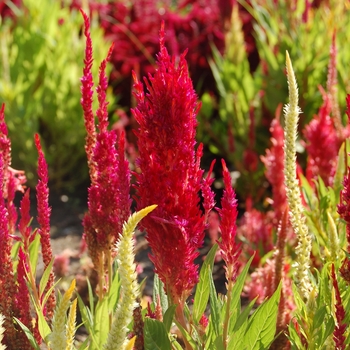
x=228, y=306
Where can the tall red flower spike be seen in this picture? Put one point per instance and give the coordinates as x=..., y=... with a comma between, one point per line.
x=109, y=200
x=7, y=281
x=87, y=92
x=22, y=300
x=230, y=250
x=169, y=173
x=322, y=145
x=274, y=164
x=44, y=212
x=341, y=326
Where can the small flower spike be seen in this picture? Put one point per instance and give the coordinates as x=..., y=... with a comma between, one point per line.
x=230, y=250
x=297, y=217
x=128, y=279
x=44, y=212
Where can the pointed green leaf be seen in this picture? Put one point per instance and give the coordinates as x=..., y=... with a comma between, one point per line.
x=168, y=317
x=158, y=290
x=45, y=277
x=34, y=253
x=235, y=308
x=155, y=335
x=113, y=294
x=262, y=325
x=186, y=335
x=214, y=307
x=203, y=289
x=101, y=322
x=29, y=334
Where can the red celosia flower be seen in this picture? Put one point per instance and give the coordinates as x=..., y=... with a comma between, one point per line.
x=109, y=200
x=274, y=163
x=7, y=281
x=322, y=145
x=87, y=83
x=170, y=175
x=22, y=300
x=24, y=221
x=44, y=212
x=341, y=326
x=230, y=250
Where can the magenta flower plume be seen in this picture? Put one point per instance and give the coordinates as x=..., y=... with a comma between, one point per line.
x=169, y=173
x=341, y=326
x=44, y=212
x=322, y=145
x=230, y=250
x=7, y=282
x=87, y=84
x=22, y=298
x=13, y=179
x=109, y=199
x=274, y=163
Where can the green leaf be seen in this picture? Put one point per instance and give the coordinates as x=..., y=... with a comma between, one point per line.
x=29, y=334
x=88, y=321
x=186, y=335
x=101, y=321
x=158, y=291
x=235, y=308
x=202, y=290
x=319, y=317
x=168, y=317
x=44, y=328
x=155, y=335
x=45, y=277
x=262, y=325
x=214, y=307
x=328, y=330
x=113, y=294
x=294, y=337
x=243, y=317
x=34, y=253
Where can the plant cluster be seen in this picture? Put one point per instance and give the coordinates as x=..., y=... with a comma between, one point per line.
x=299, y=293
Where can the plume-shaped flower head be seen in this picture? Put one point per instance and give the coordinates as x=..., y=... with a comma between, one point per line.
x=230, y=250
x=169, y=173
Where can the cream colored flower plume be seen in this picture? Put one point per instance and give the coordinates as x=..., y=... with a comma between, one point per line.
x=297, y=217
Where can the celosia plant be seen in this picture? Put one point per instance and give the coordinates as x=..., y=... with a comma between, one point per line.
x=171, y=189
x=169, y=163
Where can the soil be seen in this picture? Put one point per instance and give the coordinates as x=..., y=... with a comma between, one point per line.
x=66, y=241
x=67, y=213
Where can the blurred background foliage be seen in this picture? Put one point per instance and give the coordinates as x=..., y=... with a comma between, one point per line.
x=41, y=60
x=236, y=53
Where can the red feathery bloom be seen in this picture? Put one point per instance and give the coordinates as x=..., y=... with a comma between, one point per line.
x=13, y=179
x=274, y=163
x=22, y=298
x=44, y=212
x=341, y=326
x=109, y=201
x=230, y=250
x=24, y=221
x=7, y=282
x=322, y=145
x=87, y=83
x=170, y=175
